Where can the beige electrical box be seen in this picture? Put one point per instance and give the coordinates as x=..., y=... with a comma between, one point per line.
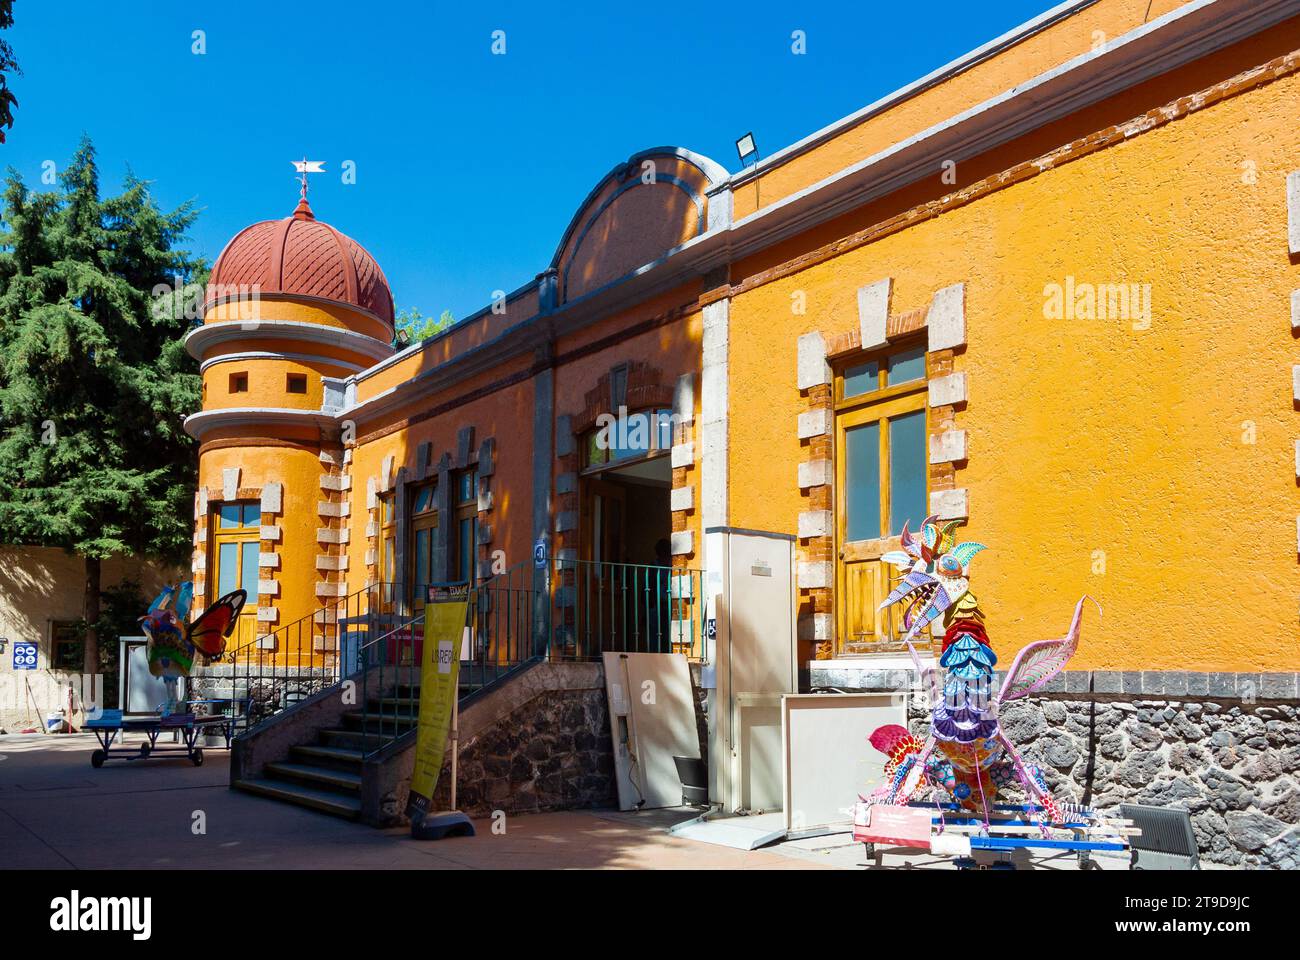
x=751, y=663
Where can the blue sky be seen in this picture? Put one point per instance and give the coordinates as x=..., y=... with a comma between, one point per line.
x=468, y=165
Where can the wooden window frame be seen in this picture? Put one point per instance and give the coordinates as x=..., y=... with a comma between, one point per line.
x=56, y=642
x=386, y=549
x=421, y=521
x=881, y=405
x=241, y=534
x=656, y=414
x=461, y=510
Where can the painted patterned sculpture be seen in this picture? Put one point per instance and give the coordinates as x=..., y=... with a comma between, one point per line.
x=967, y=754
x=173, y=644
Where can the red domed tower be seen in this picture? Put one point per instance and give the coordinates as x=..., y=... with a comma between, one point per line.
x=292, y=309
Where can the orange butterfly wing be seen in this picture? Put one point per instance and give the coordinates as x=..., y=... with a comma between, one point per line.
x=209, y=632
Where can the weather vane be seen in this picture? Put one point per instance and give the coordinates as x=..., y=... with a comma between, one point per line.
x=304, y=167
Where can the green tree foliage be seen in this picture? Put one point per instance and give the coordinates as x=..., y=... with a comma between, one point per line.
x=8, y=65
x=419, y=327
x=94, y=378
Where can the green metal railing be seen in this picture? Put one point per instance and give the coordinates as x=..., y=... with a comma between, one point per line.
x=389, y=684
x=602, y=608
x=271, y=672
x=564, y=610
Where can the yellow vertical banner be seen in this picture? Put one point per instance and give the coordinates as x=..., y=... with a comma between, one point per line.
x=445, y=617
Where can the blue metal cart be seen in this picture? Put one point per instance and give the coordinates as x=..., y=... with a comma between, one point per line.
x=111, y=724
x=1012, y=827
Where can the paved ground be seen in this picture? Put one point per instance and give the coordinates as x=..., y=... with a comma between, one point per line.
x=56, y=811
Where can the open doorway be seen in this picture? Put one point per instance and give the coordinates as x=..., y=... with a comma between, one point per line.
x=625, y=513
x=621, y=577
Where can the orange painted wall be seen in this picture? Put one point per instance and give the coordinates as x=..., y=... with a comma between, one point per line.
x=267, y=384
x=1090, y=438
x=674, y=348
x=303, y=311
x=506, y=415
x=299, y=471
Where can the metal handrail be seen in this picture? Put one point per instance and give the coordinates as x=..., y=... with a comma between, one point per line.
x=566, y=610
x=603, y=607
x=275, y=670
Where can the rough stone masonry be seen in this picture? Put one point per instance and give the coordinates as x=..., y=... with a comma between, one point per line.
x=1232, y=766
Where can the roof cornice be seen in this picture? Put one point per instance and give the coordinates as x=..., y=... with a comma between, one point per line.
x=199, y=424
x=203, y=338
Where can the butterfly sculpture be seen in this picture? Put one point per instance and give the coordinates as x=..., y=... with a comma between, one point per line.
x=173, y=644
x=967, y=754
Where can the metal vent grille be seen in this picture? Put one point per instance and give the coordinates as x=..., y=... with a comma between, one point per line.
x=1164, y=830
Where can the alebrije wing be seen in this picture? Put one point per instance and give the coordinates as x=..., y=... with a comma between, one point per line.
x=886, y=738
x=899, y=559
x=947, y=537
x=209, y=632
x=909, y=583
x=965, y=552
x=1039, y=662
x=162, y=599
x=940, y=602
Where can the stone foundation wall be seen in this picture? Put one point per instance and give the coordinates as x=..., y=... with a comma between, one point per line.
x=538, y=743
x=1232, y=766
x=553, y=753
x=1230, y=758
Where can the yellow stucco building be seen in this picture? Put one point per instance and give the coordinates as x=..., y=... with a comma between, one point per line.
x=1051, y=290
x=1049, y=283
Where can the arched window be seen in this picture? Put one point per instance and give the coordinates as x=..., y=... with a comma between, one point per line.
x=627, y=436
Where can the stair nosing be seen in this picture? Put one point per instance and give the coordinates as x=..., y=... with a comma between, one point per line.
x=350, y=782
x=341, y=807
x=339, y=754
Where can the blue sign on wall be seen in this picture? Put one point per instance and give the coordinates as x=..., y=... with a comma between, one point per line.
x=24, y=656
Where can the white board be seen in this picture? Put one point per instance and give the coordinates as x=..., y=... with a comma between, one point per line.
x=828, y=761
x=754, y=662
x=140, y=693
x=651, y=719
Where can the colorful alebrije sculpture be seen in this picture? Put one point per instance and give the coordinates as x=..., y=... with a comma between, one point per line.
x=173, y=644
x=967, y=754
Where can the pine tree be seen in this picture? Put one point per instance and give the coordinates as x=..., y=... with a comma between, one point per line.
x=94, y=378
x=8, y=65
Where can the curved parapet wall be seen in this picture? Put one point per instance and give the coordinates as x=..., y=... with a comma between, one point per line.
x=645, y=207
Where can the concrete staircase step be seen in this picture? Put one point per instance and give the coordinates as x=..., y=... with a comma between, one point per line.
x=337, y=758
x=376, y=722
x=326, y=801
x=325, y=778
x=354, y=739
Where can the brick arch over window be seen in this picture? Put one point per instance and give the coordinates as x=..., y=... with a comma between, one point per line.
x=656, y=200
x=645, y=388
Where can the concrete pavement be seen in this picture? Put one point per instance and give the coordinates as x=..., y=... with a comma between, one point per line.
x=57, y=812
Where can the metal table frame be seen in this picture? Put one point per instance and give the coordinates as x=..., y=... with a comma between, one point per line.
x=152, y=728
x=1010, y=814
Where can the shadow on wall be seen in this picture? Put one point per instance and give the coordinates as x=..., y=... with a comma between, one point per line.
x=43, y=584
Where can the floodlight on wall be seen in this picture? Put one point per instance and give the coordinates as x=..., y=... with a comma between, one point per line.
x=746, y=147
x=403, y=337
